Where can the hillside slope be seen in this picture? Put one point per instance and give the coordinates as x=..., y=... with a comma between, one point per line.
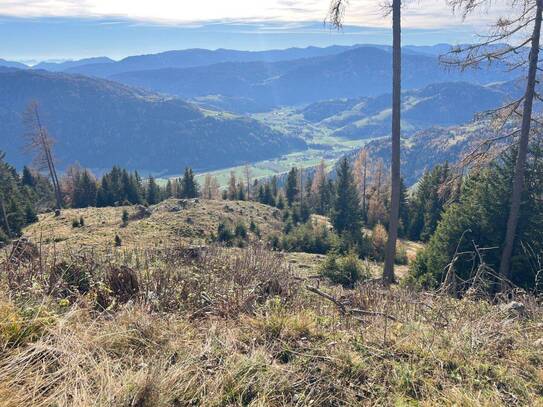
x=434, y=146
x=101, y=123
x=442, y=104
x=171, y=222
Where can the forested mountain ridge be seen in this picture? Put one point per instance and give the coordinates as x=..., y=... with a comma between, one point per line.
x=434, y=105
x=362, y=71
x=437, y=145
x=72, y=64
x=101, y=123
x=190, y=58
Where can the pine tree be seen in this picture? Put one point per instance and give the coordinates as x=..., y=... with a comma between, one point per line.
x=241, y=191
x=346, y=213
x=16, y=202
x=153, y=192
x=291, y=189
x=480, y=218
x=85, y=191
x=432, y=195
x=232, y=187
x=168, y=191
x=28, y=178
x=189, y=185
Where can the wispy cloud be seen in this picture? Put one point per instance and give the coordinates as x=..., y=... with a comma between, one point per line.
x=418, y=14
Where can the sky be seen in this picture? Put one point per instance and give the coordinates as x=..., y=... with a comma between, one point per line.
x=34, y=30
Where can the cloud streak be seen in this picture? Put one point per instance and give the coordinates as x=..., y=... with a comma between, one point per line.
x=418, y=14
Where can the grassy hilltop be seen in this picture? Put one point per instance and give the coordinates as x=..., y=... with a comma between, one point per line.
x=157, y=325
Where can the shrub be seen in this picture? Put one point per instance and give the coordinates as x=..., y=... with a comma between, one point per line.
x=224, y=234
x=345, y=270
x=379, y=239
x=21, y=326
x=275, y=243
x=3, y=238
x=255, y=229
x=310, y=239
x=30, y=215
x=81, y=221
x=125, y=217
x=75, y=223
x=401, y=255
x=118, y=241
x=240, y=231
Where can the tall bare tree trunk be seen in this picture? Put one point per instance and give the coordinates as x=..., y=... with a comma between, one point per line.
x=520, y=166
x=390, y=251
x=364, y=180
x=4, y=214
x=45, y=144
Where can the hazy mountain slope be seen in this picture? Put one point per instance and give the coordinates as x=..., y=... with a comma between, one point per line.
x=434, y=146
x=12, y=64
x=63, y=66
x=364, y=71
x=100, y=123
x=202, y=57
x=442, y=104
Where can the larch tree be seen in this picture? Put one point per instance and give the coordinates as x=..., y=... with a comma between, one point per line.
x=508, y=41
x=247, y=174
x=361, y=165
x=39, y=142
x=336, y=16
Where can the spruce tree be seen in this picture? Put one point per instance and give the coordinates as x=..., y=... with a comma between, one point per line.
x=479, y=219
x=346, y=213
x=189, y=185
x=153, y=192
x=85, y=191
x=291, y=189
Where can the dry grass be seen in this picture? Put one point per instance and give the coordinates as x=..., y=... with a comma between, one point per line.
x=172, y=221
x=235, y=327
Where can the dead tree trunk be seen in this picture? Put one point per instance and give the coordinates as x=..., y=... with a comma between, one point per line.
x=4, y=215
x=390, y=251
x=42, y=141
x=520, y=166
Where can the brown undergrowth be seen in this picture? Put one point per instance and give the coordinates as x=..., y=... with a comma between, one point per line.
x=236, y=327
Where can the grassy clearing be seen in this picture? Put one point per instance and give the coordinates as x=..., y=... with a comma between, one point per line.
x=237, y=327
x=170, y=222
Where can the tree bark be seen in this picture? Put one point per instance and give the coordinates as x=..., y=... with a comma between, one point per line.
x=520, y=166
x=390, y=250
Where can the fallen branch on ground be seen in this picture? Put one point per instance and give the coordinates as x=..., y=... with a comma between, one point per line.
x=345, y=310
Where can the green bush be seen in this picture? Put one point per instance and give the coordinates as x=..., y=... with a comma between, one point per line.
x=310, y=238
x=3, y=238
x=224, y=234
x=240, y=231
x=345, y=270
x=75, y=223
x=125, y=217
x=401, y=255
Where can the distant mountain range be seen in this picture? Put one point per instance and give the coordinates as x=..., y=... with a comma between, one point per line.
x=101, y=123
x=359, y=72
x=440, y=104
x=66, y=65
x=189, y=58
x=12, y=64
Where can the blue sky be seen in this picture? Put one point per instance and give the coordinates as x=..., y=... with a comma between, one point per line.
x=63, y=29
